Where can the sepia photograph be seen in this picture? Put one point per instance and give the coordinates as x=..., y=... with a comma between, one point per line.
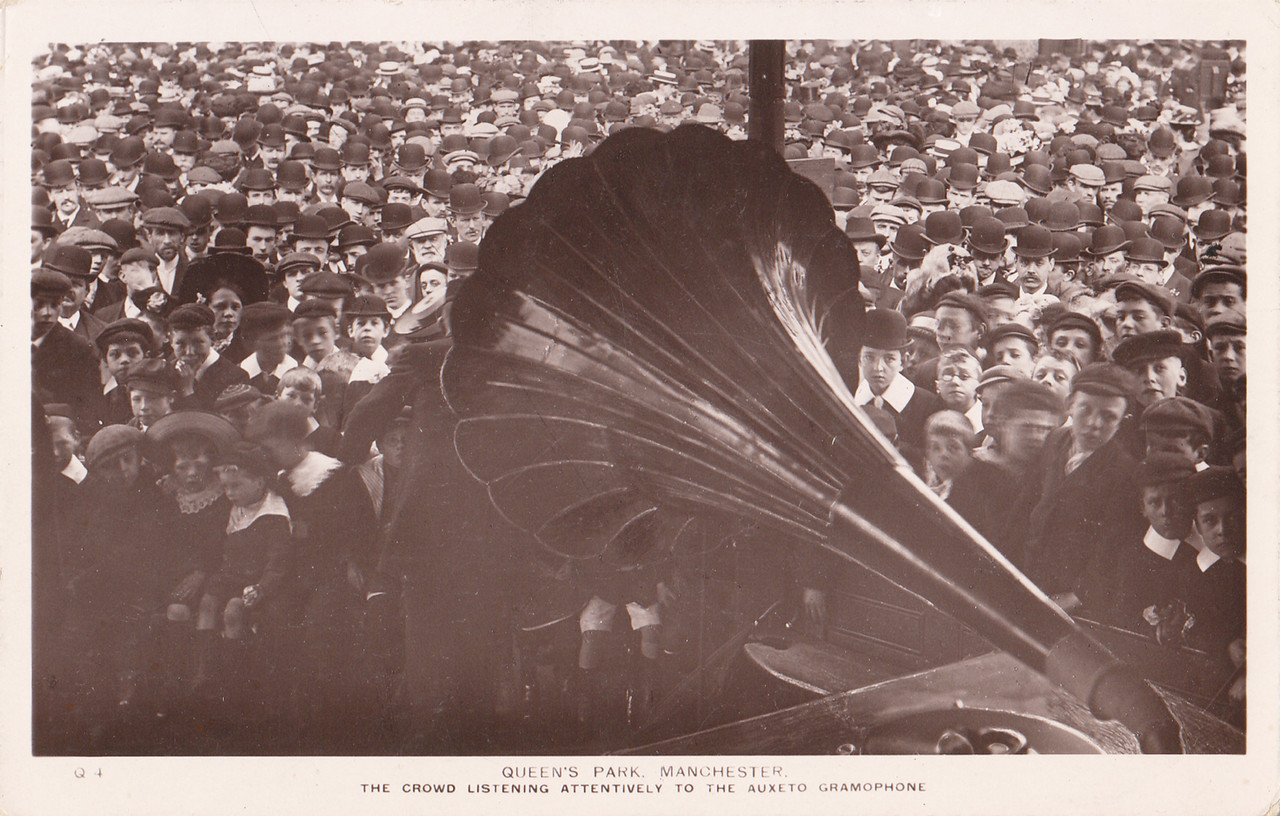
x=607, y=399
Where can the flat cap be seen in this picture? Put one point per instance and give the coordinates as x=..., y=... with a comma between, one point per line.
x=1143, y=348
x=110, y=442
x=1177, y=415
x=1106, y=380
x=1157, y=296
x=167, y=217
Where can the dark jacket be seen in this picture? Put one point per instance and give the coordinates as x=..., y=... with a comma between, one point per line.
x=1061, y=522
x=64, y=369
x=982, y=495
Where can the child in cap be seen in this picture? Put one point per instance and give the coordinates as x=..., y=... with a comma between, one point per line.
x=122, y=345
x=207, y=371
x=315, y=329
x=265, y=328
x=1214, y=590
x=154, y=386
x=114, y=586
x=1143, y=584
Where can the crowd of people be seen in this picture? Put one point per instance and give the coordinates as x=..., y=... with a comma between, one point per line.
x=243, y=256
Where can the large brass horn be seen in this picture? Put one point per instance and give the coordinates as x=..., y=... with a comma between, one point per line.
x=642, y=357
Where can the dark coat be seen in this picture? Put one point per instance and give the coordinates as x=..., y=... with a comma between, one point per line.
x=982, y=495
x=214, y=379
x=64, y=369
x=1118, y=591
x=89, y=327
x=1216, y=597
x=1062, y=522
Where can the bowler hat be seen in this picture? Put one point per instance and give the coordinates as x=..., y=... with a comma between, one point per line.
x=462, y=256
x=72, y=261
x=910, y=243
x=1106, y=240
x=465, y=199
x=884, y=329
x=944, y=227
x=1212, y=225
x=382, y=263
x=1034, y=241
x=1145, y=250
x=863, y=229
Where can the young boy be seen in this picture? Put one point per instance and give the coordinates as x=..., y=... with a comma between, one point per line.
x=208, y=372
x=1146, y=576
x=302, y=386
x=122, y=345
x=1014, y=345
x=1214, y=590
x=315, y=329
x=154, y=386
x=369, y=328
x=267, y=333
x=958, y=375
x=979, y=491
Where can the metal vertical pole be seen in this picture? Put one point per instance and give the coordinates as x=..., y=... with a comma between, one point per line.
x=768, y=92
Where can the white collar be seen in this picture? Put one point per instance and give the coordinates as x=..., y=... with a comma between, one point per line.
x=898, y=394
x=75, y=470
x=1207, y=558
x=71, y=322
x=397, y=312
x=242, y=517
x=311, y=472
x=109, y=385
x=253, y=368
x=130, y=308
x=1166, y=274
x=1201, y=466
x=974, y=415
x=209, y=360
x=380, y=354
x=1161, y=546
x=292, y=303
x=312, y=425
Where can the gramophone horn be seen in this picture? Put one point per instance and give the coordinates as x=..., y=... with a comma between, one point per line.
x=643, y=353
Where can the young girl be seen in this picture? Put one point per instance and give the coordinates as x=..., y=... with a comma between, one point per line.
x=255, y=559
x=255, y=554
